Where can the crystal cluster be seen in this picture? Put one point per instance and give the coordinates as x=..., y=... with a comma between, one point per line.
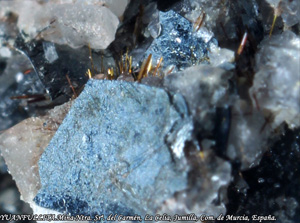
x=192, y=106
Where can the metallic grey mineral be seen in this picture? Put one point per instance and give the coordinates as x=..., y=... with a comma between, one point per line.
x=110, y=154
x=178, y=43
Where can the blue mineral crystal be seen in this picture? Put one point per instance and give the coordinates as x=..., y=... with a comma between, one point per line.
x=179, y=44
x=110, y=155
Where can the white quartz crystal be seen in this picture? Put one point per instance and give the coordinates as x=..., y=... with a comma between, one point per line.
x=211, y=9
x=221, y=57
x=276, y=85
x=64, y=22
x=116, y=6
x=5, y=52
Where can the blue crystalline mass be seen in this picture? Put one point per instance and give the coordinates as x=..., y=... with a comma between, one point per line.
x=110, y=155
x=178, y=44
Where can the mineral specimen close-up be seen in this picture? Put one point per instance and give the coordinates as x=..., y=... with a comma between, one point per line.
x=113, y=140
x=178, y=44
x=149, y=111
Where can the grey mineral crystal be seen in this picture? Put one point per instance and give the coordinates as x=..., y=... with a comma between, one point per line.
x=178, y=43
x=110, y=154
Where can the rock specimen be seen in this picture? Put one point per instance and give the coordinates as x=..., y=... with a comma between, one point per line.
x=276, y=86
x=110, y=154
x=132, y=149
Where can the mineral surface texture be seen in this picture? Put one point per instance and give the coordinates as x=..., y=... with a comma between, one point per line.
x=22, y=145
x=76, y=24
x=204, y=88
x=178, y=43
x=110, y=153
x=208, y=187
x=276, y=83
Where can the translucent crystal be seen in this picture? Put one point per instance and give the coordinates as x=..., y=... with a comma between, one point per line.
x=5, y=52
x=50, y=52
x=151, y=17
x=76, y=24
x=200, y=199
x=273, y=3
x=221, y=57
x=249, y=135
x=116, y=6
x=203, y=87
x=276, y=83
x=210, y=8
